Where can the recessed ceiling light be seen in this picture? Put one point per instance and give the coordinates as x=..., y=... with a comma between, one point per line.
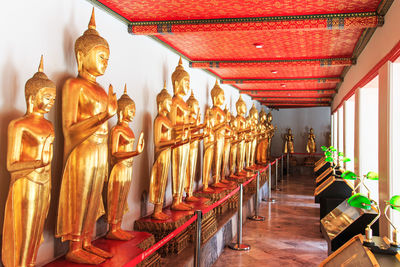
x=274, y=71
x=283, y=85
x=258, y=45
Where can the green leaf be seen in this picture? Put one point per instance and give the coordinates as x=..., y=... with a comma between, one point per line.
x=324, y=148
x=349, y=175
x=340, y=154
x=346, y=159
x=395, y=202
x=331, y=147
x=359, y=201
x=372, y=176
x=328, y=154
x=329, y=159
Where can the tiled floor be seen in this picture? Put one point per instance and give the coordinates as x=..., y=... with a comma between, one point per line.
x=290, y=234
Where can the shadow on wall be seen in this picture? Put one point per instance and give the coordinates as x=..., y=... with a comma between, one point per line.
x=8, y=112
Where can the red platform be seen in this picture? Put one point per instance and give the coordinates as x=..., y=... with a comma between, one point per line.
x=123, y=251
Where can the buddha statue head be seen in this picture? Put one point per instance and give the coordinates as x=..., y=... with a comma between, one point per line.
x=289, y=131
x=126, y=107
x=180, y=80
x=164, y=100
x=311, y=131
x=217, y=95
x=40, y=92
x=269, y=117
x=92, y=51
x=193, y=105
x=241, y=108
x=253, y=112
x=263, y=116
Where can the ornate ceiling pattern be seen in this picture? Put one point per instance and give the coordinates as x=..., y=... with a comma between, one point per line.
x=283, y=53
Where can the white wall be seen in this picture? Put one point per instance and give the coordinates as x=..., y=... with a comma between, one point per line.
x=300, y=121
x=383, y=40
x=32, y=28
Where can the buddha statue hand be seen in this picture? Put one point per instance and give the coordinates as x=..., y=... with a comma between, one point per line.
x=140, y=144
x=111, y=102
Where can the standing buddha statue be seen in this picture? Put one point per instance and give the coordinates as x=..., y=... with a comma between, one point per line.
x=218, y=99
x=234, y=144
x=289, y=142
x=311, y=142
x=263, y=140
x=121, y=146
x=179, y=116
x=29, y=154
x=255, y=133
x=208, y=151
x=271, y=132
x=248, y=141
x=86, y=108
x=194, y=120
x=227, y=147
x=241, y=110
x=163, y=143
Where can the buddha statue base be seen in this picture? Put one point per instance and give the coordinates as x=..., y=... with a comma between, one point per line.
x=218, y=194
x=123, y=251
x=161, y=228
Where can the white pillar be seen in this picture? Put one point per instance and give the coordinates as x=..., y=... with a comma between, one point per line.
x=385, y=142
x=357, y=155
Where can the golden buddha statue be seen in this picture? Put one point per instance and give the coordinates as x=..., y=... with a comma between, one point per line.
x=263, y=140
x=248, y=142
x=253, y=113
x=29, y=154
x=289, y=142
x=233, y=145
x=163, y=143
x=194, y=120
x=218, y=99
x=121, y=146
x=311, y=142
x=86, y=108
x=179, y=116
x=208, y=151
x=271, y=132
x=241, y=110
x=227, y=148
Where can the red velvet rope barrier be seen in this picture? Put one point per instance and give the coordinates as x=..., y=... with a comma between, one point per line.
x=313, y=154
x=141, y=257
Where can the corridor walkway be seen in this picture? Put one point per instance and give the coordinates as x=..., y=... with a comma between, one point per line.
x=290, y=234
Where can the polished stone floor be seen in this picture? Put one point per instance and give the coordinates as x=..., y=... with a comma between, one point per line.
x=290, y=234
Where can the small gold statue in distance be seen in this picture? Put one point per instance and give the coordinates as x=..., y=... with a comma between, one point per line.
x=208, y=154
x=289, y=142
x=218, y=99
x=121, y=145
x=179, y=116
x=234, y=144
x=29, y=154
x=311, y=148
x=163, y=143
x=86, y=108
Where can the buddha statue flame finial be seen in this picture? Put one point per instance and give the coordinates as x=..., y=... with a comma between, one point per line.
x=92, y=22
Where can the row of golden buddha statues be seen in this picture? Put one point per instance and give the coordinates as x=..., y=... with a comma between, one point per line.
x=230, y=145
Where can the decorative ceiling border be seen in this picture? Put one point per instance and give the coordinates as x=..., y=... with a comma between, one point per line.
x=317, y=79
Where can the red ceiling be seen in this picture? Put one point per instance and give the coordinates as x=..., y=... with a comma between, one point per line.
x=276, y=44
x=301, y=39
x=162, y=10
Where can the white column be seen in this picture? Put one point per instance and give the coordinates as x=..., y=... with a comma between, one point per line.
x=385, y=142
x=357, y=155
